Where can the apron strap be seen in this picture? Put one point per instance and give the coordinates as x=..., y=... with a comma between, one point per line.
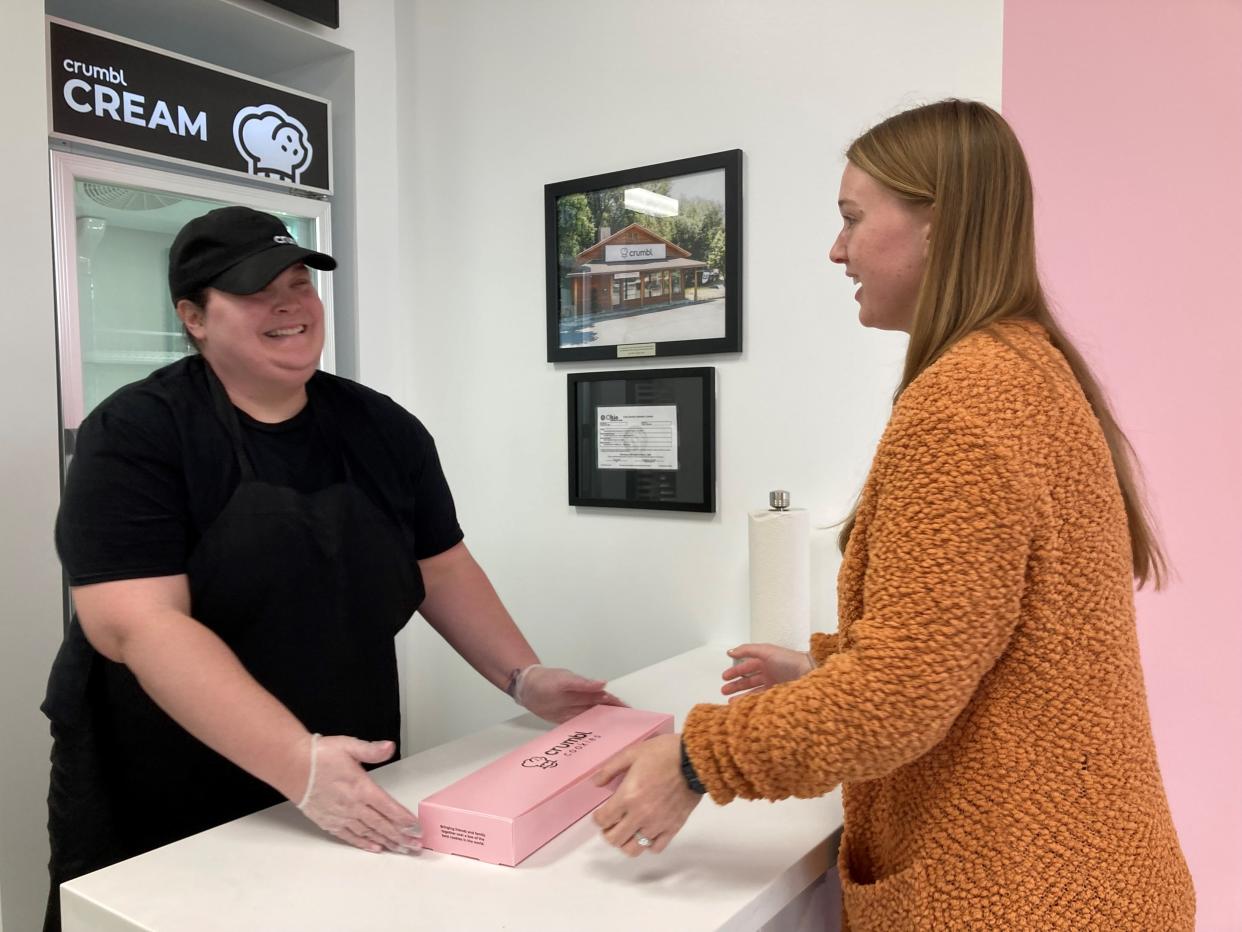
x=228, y=415
x=328, y=425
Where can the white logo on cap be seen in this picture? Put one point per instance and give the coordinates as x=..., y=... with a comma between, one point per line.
x=274, y=144
x=287, y=240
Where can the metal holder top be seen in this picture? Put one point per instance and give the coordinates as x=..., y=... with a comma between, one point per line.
x=778, y=500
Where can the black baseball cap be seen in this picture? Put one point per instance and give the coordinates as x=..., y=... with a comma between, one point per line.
x=235, y=249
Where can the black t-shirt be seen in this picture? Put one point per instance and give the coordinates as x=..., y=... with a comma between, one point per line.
x=154, y=467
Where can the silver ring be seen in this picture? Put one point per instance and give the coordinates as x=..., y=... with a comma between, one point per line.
x=642, y=840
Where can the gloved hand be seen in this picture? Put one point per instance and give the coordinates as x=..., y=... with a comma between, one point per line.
x=557, y=694
x=343, y=800
x=759, y=666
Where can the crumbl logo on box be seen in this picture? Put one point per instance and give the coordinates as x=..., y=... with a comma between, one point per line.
x=274, y=144
x=570, y=746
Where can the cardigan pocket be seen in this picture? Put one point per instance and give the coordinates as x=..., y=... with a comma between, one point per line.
x=894, y=903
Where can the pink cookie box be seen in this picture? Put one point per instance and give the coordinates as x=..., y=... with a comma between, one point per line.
x=507, y=809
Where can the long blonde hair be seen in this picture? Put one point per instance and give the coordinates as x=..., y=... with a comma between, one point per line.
x=962, y=158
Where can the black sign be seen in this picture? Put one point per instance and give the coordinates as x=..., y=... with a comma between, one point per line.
x=108, y=90
x=327, y=12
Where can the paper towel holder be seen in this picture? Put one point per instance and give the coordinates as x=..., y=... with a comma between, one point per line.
x=778, y=500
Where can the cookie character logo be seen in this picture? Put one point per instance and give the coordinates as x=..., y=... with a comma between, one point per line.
x=274, y=144
x=538, y=761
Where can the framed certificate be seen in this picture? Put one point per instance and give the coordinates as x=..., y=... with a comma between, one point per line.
x=643, y=438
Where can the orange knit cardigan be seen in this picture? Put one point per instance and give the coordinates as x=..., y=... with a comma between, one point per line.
x=983, y=703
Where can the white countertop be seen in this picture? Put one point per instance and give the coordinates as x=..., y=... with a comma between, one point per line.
x=731, y=868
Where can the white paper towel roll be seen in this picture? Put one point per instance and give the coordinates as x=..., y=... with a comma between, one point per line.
x=780, y=562
x=824, y=562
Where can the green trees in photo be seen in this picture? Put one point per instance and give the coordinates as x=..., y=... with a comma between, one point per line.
x=576, y=225
x=698, y=227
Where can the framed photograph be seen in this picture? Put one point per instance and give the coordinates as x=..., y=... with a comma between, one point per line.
x=646, y=262
x=643, y=439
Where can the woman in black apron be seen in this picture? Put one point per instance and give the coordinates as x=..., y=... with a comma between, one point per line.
x=244, y=537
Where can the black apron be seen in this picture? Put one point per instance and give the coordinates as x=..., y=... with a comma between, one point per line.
x=308, y=590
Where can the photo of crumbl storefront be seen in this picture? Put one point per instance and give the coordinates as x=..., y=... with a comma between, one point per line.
x=634, y=269
x=641, y=263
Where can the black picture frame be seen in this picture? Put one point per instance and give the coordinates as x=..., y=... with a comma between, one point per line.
x=327, y=12
x=602, y=432
x=674, y=299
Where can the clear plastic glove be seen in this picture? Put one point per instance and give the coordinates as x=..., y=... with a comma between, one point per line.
x=557, y=695
x=343, y=800
x=759, y=666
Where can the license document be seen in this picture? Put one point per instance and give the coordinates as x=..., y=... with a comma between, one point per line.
x=637, y=436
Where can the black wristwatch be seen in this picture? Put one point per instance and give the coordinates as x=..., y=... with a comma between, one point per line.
x=687, y=771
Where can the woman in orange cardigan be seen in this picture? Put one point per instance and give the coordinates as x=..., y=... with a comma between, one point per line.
x=982, y=704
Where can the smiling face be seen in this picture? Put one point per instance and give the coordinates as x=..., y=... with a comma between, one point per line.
x=883, y=246
x=264, y=343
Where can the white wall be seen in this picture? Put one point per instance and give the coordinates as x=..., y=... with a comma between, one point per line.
x=29, y=575
x=499, y=99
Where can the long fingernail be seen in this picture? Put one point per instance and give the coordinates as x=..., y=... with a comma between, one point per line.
x=414, y=831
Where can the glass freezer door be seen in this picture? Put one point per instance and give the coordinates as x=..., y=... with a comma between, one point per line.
x=113, y=226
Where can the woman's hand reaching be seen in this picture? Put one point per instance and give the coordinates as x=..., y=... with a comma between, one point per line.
x=758, y=666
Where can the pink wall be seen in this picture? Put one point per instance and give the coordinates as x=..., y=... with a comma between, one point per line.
x=1131, y=115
